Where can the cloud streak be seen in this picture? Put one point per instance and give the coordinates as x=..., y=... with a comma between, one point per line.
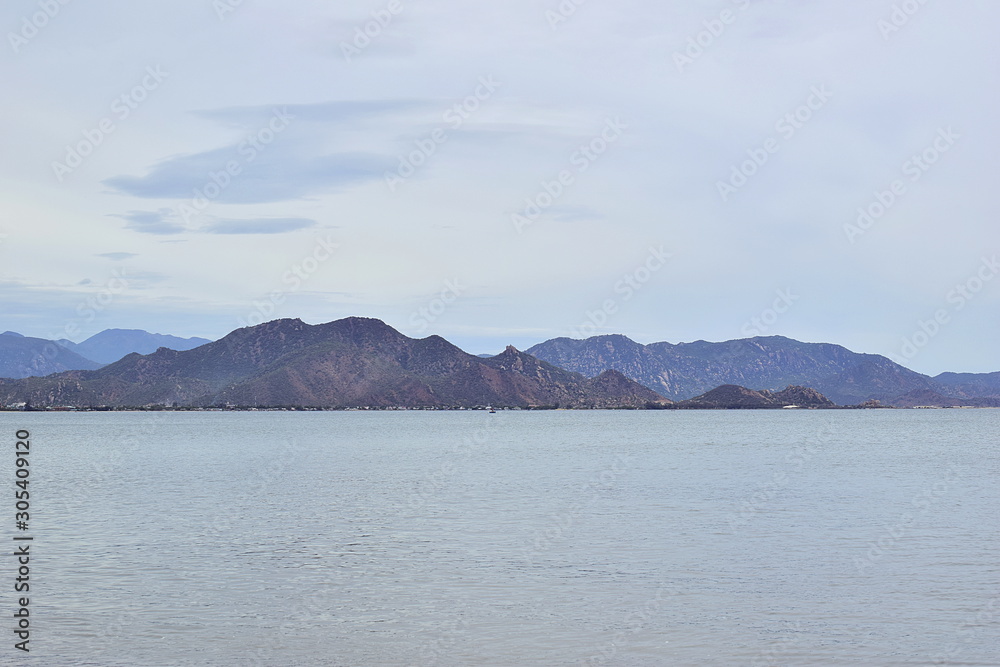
x=160, y=223
x=258, y=226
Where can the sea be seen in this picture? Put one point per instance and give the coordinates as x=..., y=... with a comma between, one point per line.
x=786, y=537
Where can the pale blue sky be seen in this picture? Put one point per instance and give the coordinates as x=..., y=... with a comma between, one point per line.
x=497, y=173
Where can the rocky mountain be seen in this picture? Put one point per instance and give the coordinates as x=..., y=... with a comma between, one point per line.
x=113, y=344
x=803, y=397
x=969, y=385
x=733, y=397
x=22, y=356
x=685, y=370
x=355, y=362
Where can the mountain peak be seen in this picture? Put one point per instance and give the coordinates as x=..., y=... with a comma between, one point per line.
x=293, y=323
x=23, y=356
x=614, y=338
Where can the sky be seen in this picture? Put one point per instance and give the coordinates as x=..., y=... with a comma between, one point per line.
x=505, y=173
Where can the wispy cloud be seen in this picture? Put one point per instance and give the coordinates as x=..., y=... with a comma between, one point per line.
x=335, y=113
x=160, y=222
x=285, y=152
x=279, y=173
x=573, y=214
x=258, y=226
x=165, y=222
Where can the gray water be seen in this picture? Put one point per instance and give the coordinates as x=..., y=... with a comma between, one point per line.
x=542, y=538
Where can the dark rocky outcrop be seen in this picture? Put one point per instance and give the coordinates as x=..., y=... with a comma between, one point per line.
x=734, y=397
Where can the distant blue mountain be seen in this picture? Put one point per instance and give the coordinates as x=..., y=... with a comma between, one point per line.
x=681, y=371
x=970, y=385
x=22, y=357
x=111, y=345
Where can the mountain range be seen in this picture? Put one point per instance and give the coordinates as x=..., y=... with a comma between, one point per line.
x=113, y=344
x=23, y=356
x=363, y=362
x=354, y=362
x=685, y=370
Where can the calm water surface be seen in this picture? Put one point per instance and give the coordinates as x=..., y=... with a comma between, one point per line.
x=548, y=538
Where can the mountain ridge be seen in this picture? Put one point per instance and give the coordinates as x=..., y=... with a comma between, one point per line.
x=685, y=370
x=353, y=362
x=111, y=345
x=24, y=356
x=241, y=368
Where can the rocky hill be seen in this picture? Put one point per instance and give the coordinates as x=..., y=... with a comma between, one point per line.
x=734, y=397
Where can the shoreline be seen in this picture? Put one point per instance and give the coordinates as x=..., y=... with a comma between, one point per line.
x=64, y=409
